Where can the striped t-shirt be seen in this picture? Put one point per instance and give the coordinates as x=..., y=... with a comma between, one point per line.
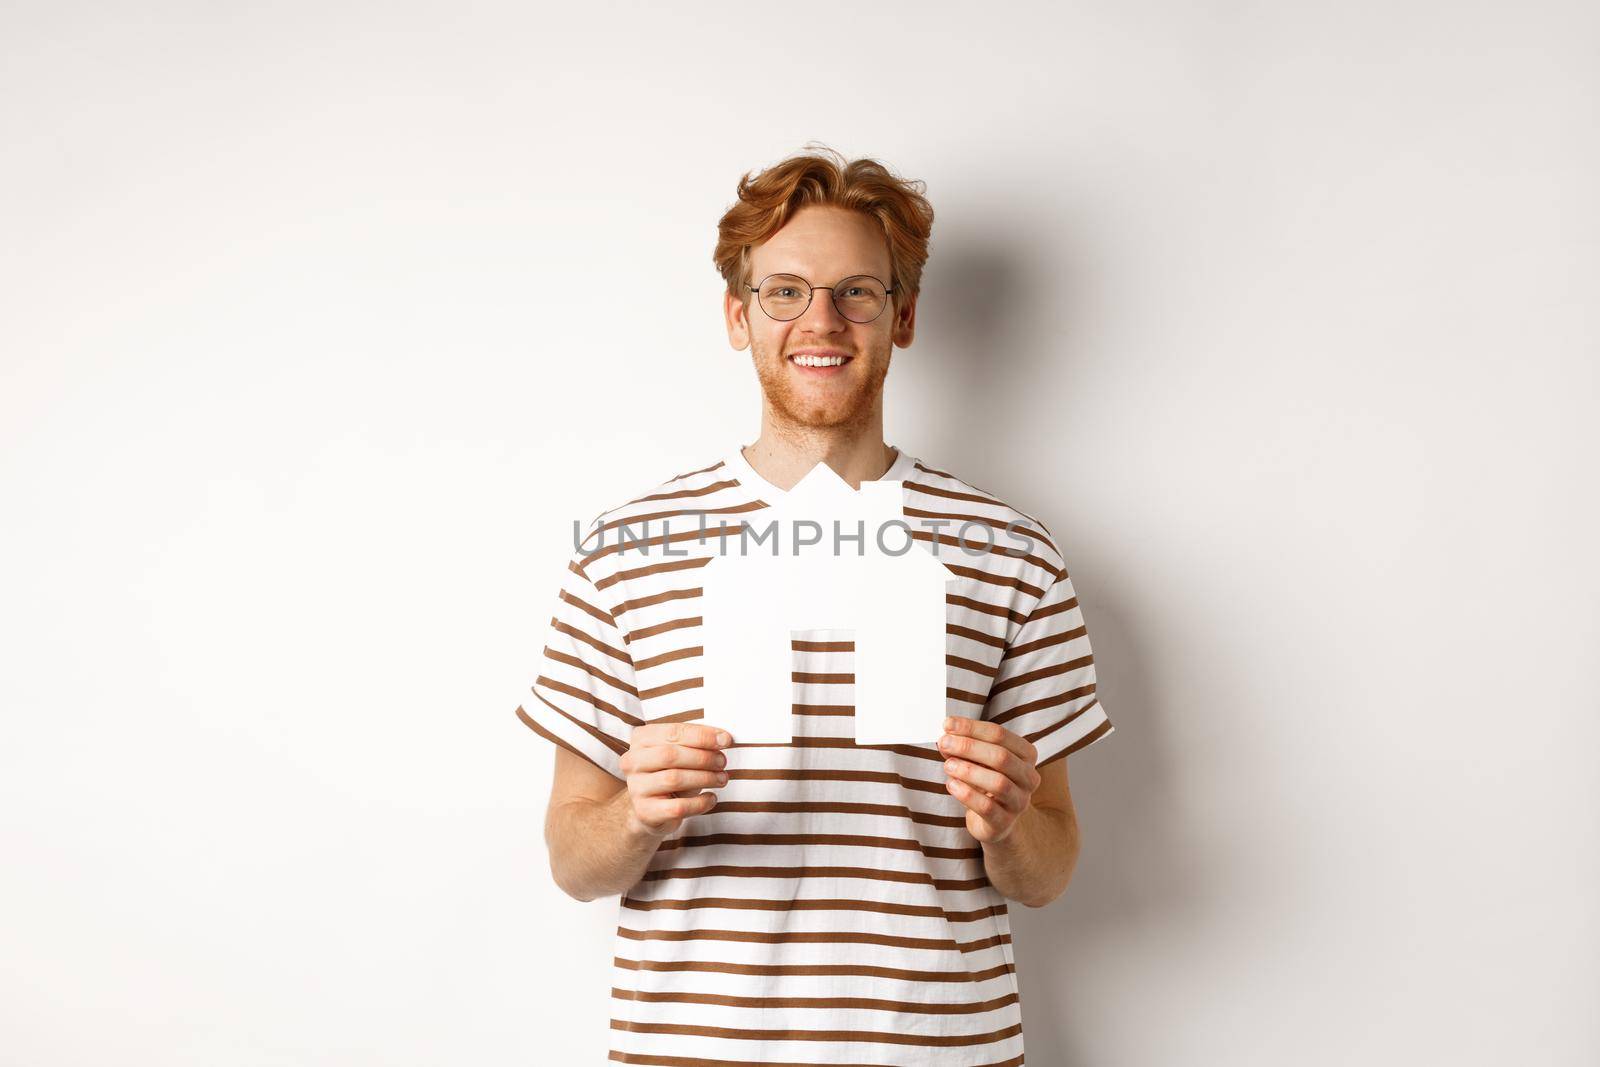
x=832, y=907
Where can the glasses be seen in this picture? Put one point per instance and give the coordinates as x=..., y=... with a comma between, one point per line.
x=786, y=296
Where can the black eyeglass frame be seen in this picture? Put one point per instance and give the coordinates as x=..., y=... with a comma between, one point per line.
x=888, y=291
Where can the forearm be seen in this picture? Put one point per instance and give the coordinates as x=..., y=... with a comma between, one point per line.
x=1034, y=863
x=594, y=851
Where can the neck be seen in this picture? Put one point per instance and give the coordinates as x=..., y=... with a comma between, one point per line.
x=783, y=455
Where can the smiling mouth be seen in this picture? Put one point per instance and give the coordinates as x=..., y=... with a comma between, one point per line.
x=820, y=363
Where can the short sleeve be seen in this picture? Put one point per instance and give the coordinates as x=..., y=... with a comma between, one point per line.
x=1044, y=689
x=584, y=698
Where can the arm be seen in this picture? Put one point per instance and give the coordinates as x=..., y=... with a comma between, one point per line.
x=1022, y=815
x=601, y=831
x=594, y=849
x=1035, y=863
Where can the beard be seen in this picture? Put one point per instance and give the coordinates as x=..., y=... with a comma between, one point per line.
x=795, y=402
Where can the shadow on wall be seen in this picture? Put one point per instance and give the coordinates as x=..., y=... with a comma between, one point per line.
x=965, y=363
x=1135, y=872
x=993, y=332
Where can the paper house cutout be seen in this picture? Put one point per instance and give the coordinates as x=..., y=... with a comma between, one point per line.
x=883, y=585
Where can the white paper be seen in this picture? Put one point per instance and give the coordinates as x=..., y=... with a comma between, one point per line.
x=894, y=603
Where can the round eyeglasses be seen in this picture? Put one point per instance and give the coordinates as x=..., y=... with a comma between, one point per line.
x=786, y=296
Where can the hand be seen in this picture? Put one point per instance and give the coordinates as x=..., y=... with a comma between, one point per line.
x=666, y=766
x=990, y=770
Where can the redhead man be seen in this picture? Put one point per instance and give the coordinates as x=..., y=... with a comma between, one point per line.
x=820, y=901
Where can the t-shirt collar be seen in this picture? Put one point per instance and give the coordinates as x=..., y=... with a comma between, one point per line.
x=899, y=470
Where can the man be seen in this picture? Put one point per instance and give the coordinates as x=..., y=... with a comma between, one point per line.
x=818, y=902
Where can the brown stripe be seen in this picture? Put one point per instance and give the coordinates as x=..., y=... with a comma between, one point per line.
x=547, y=735
x=823, y=774
x=833, y=1003
x=669, y=657
x=945, y=474
x=1054, y=728
x=1004, y=581
x=840, y=807
x=628, y=574
x=1061, y=638
x=809, y=678
x=992, y=640
x=823, y=711
x=605, y=617
x=586, y=697
x=869, y=873
x=1043, y=672
x=986, y=609
x=816, y=937
x=659, y=598
x=1043, y=532
x=593, y=642
x=646, y=1059
x=711, y=487
x=875, y=907
x=666, y=517
x=968, y=551
x=798, y=645
x=1047, y=610
x=702, y=470
x=887, y=1037
x=642, y=545
x=898, y=844
x=594, y=672
x=1051, y=701
x=819, y=970
x=671, y=687
x=958, y=518
x=970, y=665
x=662, y=627
x=1088, y=738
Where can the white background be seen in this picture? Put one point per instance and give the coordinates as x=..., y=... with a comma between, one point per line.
x=322, y=322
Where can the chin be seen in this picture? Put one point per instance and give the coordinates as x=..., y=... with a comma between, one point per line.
x=819, y=417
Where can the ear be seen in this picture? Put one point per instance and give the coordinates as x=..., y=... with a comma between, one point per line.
x=905, y=322
x=734, y=313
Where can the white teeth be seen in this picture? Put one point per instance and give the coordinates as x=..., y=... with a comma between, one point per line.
x=819, y=361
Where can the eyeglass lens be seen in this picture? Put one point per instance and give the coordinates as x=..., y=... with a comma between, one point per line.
x=786, y=296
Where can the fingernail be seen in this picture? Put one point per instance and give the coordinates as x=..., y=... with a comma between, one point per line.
x=722, y=778
x=949, y=724
x=724, y=738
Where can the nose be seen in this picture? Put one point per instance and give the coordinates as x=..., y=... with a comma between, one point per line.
x=822, y=316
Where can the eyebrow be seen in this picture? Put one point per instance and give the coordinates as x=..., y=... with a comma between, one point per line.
x=807, y=274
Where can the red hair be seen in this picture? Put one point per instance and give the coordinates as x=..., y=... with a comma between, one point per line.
x=767, y=201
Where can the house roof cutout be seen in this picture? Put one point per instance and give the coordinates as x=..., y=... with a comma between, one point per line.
x=866, y=574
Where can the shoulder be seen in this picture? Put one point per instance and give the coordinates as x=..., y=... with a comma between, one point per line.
x=656, y=509
x=948, y=504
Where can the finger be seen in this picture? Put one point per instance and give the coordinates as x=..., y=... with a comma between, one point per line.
x=1002, y=789
x=994, y=733
x=688, y=734
x=661, y=810
x=992, y=745
x=995, y=758
x=676, y=781
x=989, y=809
x=661, y=756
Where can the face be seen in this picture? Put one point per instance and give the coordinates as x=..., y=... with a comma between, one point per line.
x=823, y=245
